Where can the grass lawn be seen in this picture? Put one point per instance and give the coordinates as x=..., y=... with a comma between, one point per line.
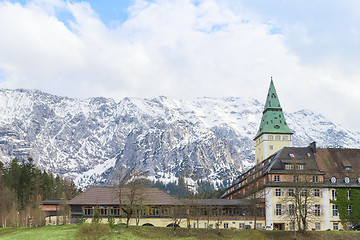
x=145, y=233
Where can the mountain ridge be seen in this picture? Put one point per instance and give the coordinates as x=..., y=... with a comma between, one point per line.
x=90, y=140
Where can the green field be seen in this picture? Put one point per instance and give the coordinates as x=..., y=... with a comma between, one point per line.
x=72, y=232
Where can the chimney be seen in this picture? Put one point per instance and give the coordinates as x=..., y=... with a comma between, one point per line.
x=313, y=147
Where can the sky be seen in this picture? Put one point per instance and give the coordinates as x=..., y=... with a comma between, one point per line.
x=185, y=49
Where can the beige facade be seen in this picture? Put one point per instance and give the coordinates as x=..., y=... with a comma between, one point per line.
x=268, y=144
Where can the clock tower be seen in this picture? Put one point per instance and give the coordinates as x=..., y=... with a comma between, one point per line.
x=273, y=133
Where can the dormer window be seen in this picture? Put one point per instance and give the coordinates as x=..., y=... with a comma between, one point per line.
x=291, y=155
x=271, y=137
x=346, y=179
x=333, y=179
x=300, y=167
x=348, y=168
x=289, y=167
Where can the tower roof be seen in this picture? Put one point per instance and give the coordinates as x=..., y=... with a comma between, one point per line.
x=273, y=120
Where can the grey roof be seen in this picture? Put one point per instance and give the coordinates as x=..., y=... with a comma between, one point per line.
x=110, y=196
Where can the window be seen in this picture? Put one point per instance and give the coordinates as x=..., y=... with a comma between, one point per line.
x=317, y=226
x=271, y=147
x=278, y=209
x=114, y=211
x=348, y=209
x=88, y=211
x=291, y=192
x=291, y=155
x=317, y=210
x=291, y=210
x=271, y=137
x=292, y=226
x=348, y=194
x=259, y=225
x=346, y=179
x=300, y=167
x=289, y=167
x=277, y=137
x=226, y=225
x=333, y=194
x=335, y=226
x=304, y=209
x=277, y=192
x=315, y=179
x=296, y=178
x=348, y=168
x=241, y=225
x=316, y=192
x=335, y=212
x=277, y=178
x=304, y=192
x=285, y=138
x=333, y=179
x=205, y=226
x=103, y=211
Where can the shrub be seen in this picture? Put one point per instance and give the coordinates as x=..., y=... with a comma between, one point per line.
x=81, y=220
x=111, y=221
x=96, y=218
x=93, y=231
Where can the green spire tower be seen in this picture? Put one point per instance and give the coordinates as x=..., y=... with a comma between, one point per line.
x=273, y=133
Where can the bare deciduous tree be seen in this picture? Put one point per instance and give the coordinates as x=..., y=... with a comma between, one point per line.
x=131, y=194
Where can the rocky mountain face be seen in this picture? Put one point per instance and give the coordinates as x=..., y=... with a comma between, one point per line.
x=90, y=140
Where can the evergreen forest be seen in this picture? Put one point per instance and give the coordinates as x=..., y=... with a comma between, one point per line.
x=23, y=187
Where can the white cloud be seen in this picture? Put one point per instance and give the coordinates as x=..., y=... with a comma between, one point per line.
x=173, y=48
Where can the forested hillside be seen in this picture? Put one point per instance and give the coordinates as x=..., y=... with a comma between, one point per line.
x=22, y=189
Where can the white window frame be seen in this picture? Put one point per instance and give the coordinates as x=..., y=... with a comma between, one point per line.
x=291, y=192
x=335, y=226
x=315, y=179
x=291, y=209
x=317, y=192
x=317, y=226
x=335, y=211
x=333, y=194
x=348, y=209
x=276, y=178
x=278, y=209
x=317, y=210
x=278, y=192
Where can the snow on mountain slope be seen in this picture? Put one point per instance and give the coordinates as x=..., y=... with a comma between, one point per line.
x=89, y=140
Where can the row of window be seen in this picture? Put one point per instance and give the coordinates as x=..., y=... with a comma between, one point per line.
x=291, y=192
x=297, y=178
x=277, y=137
x=334, y=194
x=346, y=180
x=291, y=209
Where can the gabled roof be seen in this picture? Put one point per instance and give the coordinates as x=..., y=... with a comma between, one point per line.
x=295, y=156
x=109, y=196
x=335, y=161
x=273, y=120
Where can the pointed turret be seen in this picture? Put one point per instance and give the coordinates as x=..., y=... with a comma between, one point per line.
x=273, y=133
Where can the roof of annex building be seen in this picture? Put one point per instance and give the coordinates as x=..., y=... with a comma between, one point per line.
x=110, y=196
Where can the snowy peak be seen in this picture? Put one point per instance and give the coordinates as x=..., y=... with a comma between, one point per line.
x=201, y=139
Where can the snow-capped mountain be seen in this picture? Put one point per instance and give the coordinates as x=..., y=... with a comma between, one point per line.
x=90, y=140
